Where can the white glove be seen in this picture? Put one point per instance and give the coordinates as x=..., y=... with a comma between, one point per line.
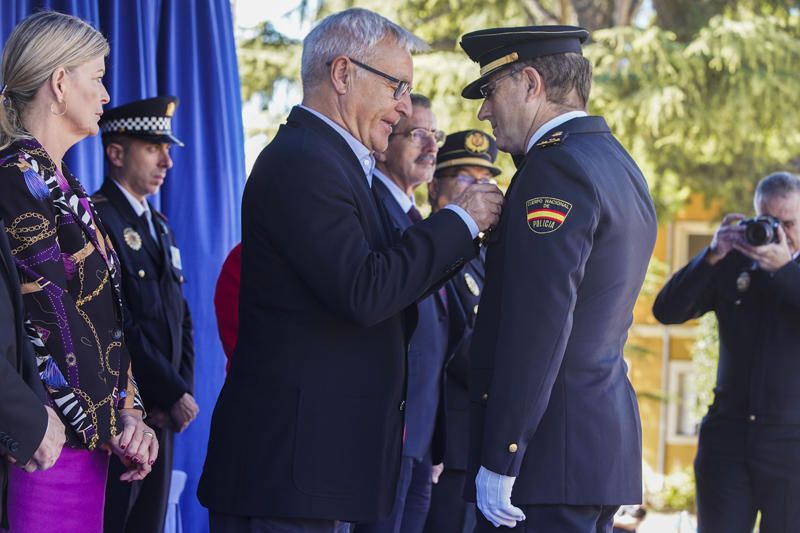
x=493, y=492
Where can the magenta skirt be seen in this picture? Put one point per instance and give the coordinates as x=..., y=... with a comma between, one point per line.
x=67, y=498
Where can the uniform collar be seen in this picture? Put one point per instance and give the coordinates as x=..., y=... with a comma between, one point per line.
x=553, y=123
x=138, y=207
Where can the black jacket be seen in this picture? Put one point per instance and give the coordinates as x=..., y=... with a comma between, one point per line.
x=309, y=423
x=23, y=419
x=759, y=332
x=158, y=325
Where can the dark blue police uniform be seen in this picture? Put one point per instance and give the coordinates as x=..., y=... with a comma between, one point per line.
x=158, y=324
x=550, y=400
x=748, y=458
x=449, y=511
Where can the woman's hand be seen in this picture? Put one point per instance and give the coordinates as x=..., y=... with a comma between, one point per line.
x=136, y=446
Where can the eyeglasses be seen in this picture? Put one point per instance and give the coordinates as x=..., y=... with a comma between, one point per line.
x=420, y=136
x=469, y=179
x=400, y=89
x=487, y=89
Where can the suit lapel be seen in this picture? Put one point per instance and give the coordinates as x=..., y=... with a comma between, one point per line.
x=121, y=204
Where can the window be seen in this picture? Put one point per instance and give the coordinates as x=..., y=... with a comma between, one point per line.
x=690, y=238
x=682, y=424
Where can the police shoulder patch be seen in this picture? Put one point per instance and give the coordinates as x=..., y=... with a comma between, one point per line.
x=546, y=214
x=554, y=139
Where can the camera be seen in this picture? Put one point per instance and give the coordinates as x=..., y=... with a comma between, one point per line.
x=761, y=230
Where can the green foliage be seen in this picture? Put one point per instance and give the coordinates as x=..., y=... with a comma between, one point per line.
x=705, y=357
x=678, y=493
x=711, y=116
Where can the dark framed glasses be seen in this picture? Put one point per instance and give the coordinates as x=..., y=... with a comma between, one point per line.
x=487, y=89
x=401, y=86
x=420, y=136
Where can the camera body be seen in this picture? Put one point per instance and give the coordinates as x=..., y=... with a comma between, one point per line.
x=761, y=230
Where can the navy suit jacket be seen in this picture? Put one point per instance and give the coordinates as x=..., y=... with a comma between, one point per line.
x=551, y=402
x=158, y=324
x=310, y=420
x=426, y=357
x=23, y=419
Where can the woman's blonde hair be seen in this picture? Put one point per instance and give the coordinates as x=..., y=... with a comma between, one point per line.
x=38, y=46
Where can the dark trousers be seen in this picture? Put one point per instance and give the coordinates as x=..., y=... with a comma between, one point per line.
x=744, y=467
x=557, y=519
x=226, y=523
x=450, y=512
x=142, y=505
x=411, y=502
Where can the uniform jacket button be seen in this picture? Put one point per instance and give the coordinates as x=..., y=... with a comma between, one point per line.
x=475, y=309
x=485, y=396
x=141, y=274
x=752, y=418
x=513, y=447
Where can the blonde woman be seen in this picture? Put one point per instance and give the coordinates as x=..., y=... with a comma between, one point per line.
x=51, y=97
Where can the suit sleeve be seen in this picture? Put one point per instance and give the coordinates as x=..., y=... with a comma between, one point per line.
x=23, y=419
x=161, y=384
x=689, y=293
x=543, y=273
x=335, y=259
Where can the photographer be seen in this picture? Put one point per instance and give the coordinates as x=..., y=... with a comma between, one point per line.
x=748, y=457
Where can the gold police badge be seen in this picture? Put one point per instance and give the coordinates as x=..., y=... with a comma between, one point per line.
x=132, y=239
x=472, y=285
x=476, y=142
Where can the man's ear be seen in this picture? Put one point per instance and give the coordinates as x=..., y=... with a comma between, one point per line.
x=115, y=153
x=433, y=190
x=535, y=83
x=340, y=74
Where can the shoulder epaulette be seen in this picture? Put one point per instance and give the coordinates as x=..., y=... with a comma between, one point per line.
x=554, y=139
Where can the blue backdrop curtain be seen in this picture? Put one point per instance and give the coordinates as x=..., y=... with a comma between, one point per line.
x=184, y=48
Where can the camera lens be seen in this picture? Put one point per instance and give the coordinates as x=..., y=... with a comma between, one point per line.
x=759, y=232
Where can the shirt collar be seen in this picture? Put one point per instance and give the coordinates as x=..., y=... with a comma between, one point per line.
x=361, y=152
x=138, y=207
x=552, y=123
x=404, y=201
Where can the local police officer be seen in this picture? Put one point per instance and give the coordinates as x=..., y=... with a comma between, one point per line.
x=466, y=157
x=158, y=327
x=748, y=458
x=555, y=423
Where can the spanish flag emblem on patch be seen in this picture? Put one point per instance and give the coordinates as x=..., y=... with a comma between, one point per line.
x=546, y=214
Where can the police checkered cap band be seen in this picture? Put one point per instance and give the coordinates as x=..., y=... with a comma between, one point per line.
x=154, y=125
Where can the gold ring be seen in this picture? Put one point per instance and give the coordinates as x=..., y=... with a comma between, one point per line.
x=149, y=434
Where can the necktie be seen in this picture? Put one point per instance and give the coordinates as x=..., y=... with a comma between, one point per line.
x=413, y=215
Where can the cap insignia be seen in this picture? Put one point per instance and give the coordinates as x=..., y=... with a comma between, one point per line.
x=476, y=142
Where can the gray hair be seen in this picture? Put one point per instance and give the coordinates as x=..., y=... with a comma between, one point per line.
x=776, y=184
x=39, y=45
x=562, y=73
x=354, y=33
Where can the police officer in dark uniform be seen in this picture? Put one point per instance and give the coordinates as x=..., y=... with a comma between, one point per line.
x=748, y=457
x=158, y=327
x=466, y=157
x=555, y=433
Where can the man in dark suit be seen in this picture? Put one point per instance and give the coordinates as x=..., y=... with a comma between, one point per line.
x=31, y=433
x=467, y=157
x=749, y=444
x=555, y=424
x=408, y=163
x=137, y=138
x=308, y=427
